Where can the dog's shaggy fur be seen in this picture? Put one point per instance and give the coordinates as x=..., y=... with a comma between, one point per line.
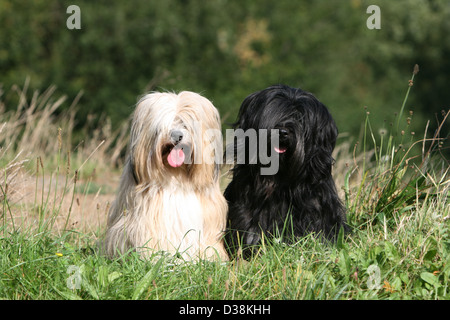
x=301, y=197
x=169, y=196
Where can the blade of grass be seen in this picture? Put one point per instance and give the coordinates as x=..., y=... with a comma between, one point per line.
x=147, y=279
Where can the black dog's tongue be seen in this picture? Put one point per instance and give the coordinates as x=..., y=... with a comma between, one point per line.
x=280, y=150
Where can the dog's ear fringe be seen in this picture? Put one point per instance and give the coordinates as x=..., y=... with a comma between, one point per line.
x=133, y=172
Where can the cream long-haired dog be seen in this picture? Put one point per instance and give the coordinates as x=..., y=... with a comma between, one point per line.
x=169, y=196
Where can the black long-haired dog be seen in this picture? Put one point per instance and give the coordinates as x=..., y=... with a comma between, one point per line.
x=301, y=197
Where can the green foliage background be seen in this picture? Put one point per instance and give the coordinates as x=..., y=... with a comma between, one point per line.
x=227, y=49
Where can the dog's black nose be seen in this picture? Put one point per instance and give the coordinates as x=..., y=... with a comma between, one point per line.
x=176, y=135
x=283, y=132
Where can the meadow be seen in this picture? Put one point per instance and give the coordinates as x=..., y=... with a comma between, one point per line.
x=56, y=190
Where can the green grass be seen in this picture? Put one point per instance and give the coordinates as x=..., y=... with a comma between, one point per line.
x=413, y=262
x=399, y=247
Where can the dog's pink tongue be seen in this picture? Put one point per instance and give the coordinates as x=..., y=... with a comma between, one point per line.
x=280, y=150
x=175, y=157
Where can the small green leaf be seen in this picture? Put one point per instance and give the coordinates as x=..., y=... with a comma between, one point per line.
x=340, y=239
x=102, y=275
x=404, y=277
x=391, y=252
x=430, y=279
x=374, y=252
x=113, y=276
x=147, y=279
x=396, y=283
x=344, y=263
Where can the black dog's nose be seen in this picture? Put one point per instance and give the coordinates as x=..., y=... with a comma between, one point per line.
x=176, y=136
x=283, y=132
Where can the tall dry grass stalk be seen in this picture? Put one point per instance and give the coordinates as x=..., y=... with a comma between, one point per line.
x=391, y=171
x=40, y=130
x=32, y=127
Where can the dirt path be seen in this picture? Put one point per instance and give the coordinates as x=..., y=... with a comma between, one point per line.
x=87, y=207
